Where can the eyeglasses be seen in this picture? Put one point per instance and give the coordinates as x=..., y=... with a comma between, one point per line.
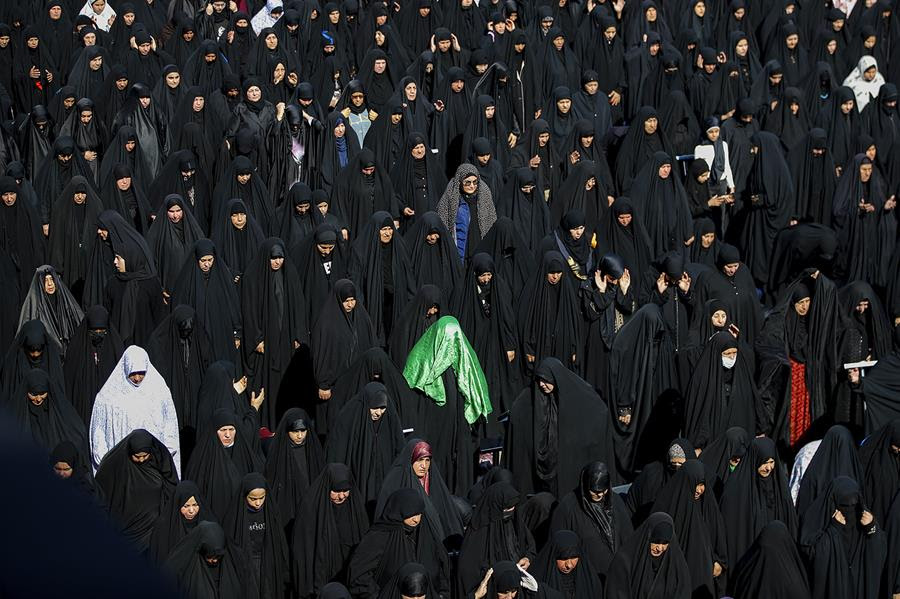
x=470, y=183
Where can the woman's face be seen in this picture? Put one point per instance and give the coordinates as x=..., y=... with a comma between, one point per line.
x=422, y=466
x=831, y=46
x=97, y=6
x=665, y=170
x=254, y=93
x=190, y=509
x=791, y=41
x=124, y=183
x=271, y=41
x=766, y=468
x=869, y=74
x=49, y=285
x=198, y=103
x=96, y=63
x=795, y=108
x=418, y=151
x=847, y=106
x=278, y=73
x=718, y=319
x=658, y=549
x=742, y=48
x=624, y=219
x=700, y=9
x=379, y=38
x=566, y=566
x=411, y=91
x=339, y=130
x=707, y=239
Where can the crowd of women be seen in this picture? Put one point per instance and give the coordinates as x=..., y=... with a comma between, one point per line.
x=445, y=299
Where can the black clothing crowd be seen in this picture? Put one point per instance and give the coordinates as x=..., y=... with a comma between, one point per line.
x=455, y=299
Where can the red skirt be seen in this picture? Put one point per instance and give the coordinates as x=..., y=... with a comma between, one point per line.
x=800, y=418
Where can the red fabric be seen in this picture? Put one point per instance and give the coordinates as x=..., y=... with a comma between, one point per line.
x=800, y=417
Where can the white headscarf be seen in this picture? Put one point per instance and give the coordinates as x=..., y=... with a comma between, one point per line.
x=121, y=407
x=101, y=21
x=264, y=17
x=864, y=90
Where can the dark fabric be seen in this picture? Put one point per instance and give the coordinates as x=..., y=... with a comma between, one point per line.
x=391, y=543
x=836, y=456
x=750, y=501
x=94, y=350
x=218, y=470
x=604, y=526
x=580, y=583
x=268, y=555
x=291, y=468
x=772, y=567
x=326, y=532
x=544, y=430
x=135, y=493
x=844, y=559
x=701, y=526
x=495, y=533
x=173, y=525
x=636, y=574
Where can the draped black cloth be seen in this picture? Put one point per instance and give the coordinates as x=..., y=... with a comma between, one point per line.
x=213, y=296
x=93, y=352
x=338, y=338
x=366, y=445
x=258, y=531
x=136, y=492
x=547, y=317
x=174, y=524
x=273, y=311
x=292, y=467
x=547, y=429
x=598, y=515
x=171, y=241
x=496, y=533
x=836, y=456
x=485, y=313
x=391, y=543
x=703, y=535
x=232, y=577
x=180, y=350
x=719, y=398
x=635, y=573
x=772, y=567
x=751, y=501
x=327, y=531
x=41, y=411
x=844, y=559
x=580, y=582
x=382, y=273
x=218, y=469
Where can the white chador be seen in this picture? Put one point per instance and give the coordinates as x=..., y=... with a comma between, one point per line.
x=123, y=406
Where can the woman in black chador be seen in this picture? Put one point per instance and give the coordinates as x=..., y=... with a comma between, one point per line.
x=497, y=532
x=331, y=522
x=367, y=436
x=94, y=350
x=598, y=515
x=549, y=423
x=274, y=317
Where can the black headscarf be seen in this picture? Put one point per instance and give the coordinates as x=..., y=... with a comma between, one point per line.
x=273, y=312
x=528, y=210
x=51, y=421
x=511, y=253
x=835, y=457
x=437, y=263
x=135, y=493
x=654, y=477
x=383, y=274
x=638, y=147
x=366, y=446
x=661, y=205
x=236, y=246
x=172, y=242
x=338, y=337
x=246, y=525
